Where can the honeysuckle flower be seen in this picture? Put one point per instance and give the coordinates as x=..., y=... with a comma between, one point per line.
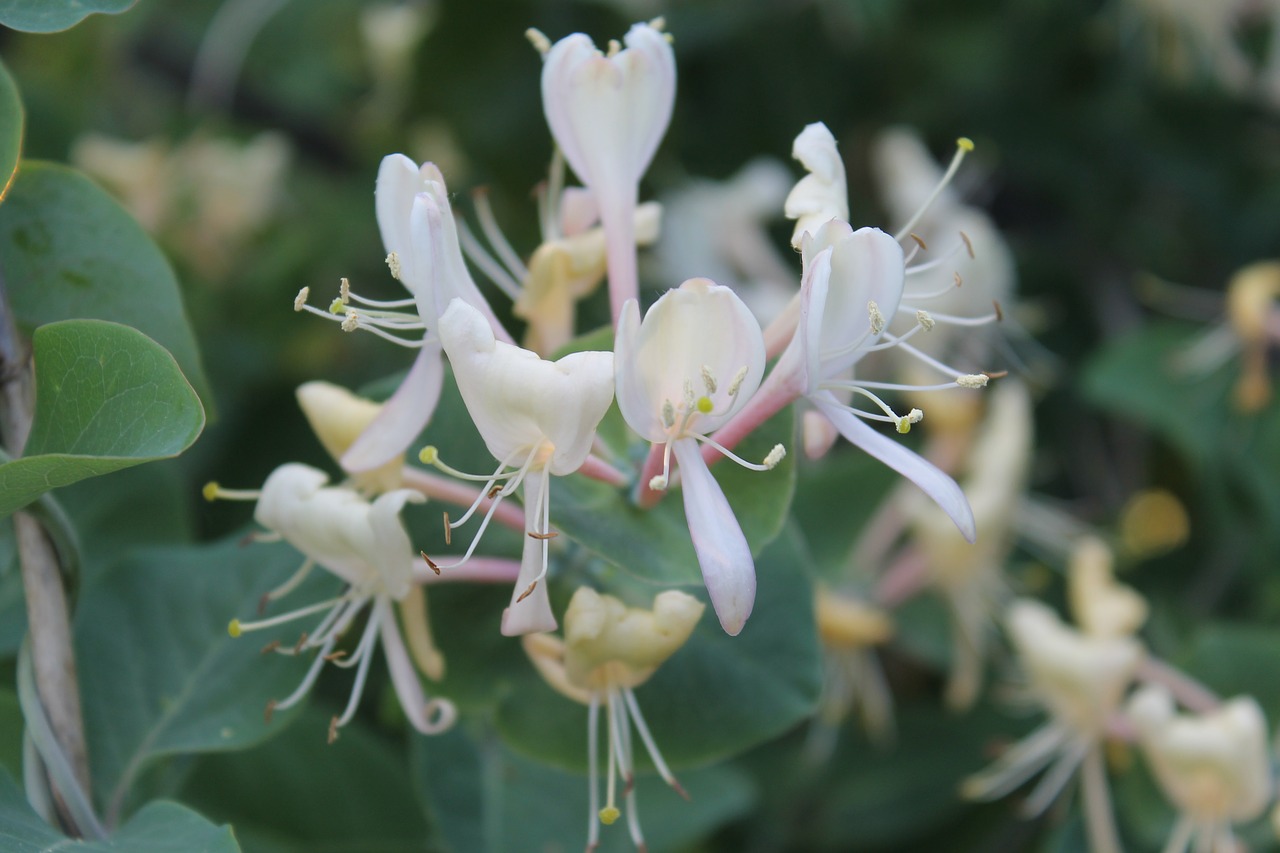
x=1153, y=522
x=1101, y=606
x=608, y=112
x=852, y=283
x=971, y=579
x=338, y=417
x=421, y=240
x=608, y=650
x=364, y=544
x=821, y=195
x=681, y=373
x=850, y=630
x=1080, y=680
x=1214, y=766
x=538, y=418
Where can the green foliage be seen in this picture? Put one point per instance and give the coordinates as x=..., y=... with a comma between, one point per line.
x=11, y=120
x=69, y=251
x=161, y=827
x=47, y=16
x=107, y=397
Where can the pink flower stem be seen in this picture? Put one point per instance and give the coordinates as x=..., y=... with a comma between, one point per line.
x=906, y=576
x=460, y=494
x=619, y=221
x=772, y=397
x=598, y=469
x=1190, y=693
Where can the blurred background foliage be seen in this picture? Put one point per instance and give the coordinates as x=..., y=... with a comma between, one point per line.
x=1130, y=189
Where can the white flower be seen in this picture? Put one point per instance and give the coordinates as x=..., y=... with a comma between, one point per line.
x=537, y=418
x=682, y=373
x=821, y=195
x=1081, y=681
x=365, y=544
x=421, y=240
x=609, y=649
x=1213, y=766
x=608, y=113
x=1101, y=606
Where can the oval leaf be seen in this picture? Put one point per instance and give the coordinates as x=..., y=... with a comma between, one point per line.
x=11, y=123
x=49, y=16
x=69, y=251
x=107, y=397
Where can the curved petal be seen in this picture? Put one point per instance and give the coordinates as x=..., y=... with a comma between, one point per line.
x=532, y=613
x=634, y=401
x=397, y=184
x=727, y=566
x=936, y=484
x=404, y=414
x=390, y=551
x=429, y=717
x=438, y=254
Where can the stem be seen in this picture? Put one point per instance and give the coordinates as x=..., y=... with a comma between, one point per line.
x=47, y=621
x=1190, y=693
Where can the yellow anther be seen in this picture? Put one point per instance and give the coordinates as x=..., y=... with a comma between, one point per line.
x=429, y=455
x=210, y=491
x=609, y=814
x=904, y=425
x=964, y=143
x=705, y=405
x=776, y=455
x=337, y=306
x=301, y=299
x=659, y=23
x=538, y=39
x=615, y=47
x=233, y=627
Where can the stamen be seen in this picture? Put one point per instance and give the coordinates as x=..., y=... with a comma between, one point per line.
x=729, y=454
x=351, y=322
x=933, y=264
x=309, y=679
x=615, y=47
x=212, y=491
x=926, y=322
x=959, y=280
x=288, y=586
x=538, y=39
x=688, y=395
x=235, y=627
x=344, y=290
x=968, y=244
x=972, y=380
x=774, y=456
x=963, y=146
x=301, y=299
x=650, y=746
x=953, y=319
x=919, y=241
x=431, y=564
x=481, y=258
x=393, y=264
x=668, y=414
x=912, y=417
x=448, y=533
x=534, y=535
x=735, y=385
x=708, y=379
x=876, y=318
x=489, y=224
x=999, y=310
x=364, y=654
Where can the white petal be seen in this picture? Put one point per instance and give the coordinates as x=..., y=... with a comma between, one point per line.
x=634, y=399
x=727, y=566
x=427, y=717
x=398, y=182
x=390, y=551
x=936, y=484
x=444, y=276
x=821, y=195
x=403, y=416
x=533, y=614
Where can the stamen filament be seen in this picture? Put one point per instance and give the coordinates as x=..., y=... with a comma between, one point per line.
x=307, y=681
x=292, y=583
x=212, y=492
x=706, y=439
x=493, y=233
x=236, y=627
x=649, y=744
x=381, y=303
x=593, y=771
x=364, y=653
x=482, y=259
x=956, y=320
x=963, y=147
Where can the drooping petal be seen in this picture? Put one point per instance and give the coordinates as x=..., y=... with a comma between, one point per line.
x=531, y=612
x=391, y=552
x=443, y=272
x=936, y=484
x=634, y=400
x=404, y=414
x=723, y=554
x=428, y=717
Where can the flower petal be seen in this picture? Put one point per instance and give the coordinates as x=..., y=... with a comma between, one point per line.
x=936, y=484
x=727, y=566
x=430, y=717
x=403, y=415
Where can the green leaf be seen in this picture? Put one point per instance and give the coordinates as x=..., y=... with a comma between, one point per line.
x=10, y=731
x=298, y=793
x=487, y=798
x=1237, y=659
x=715, y=697
x=654, y=544
x=11, y=123
x=160, y=675
x=107, y=397
x=49, y=16
x=70, y=251
x=159, y=828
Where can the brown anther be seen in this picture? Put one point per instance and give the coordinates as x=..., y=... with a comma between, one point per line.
x=967, y=244
x=430, y=563
x=628, y=784
x=998, y=374
x=959, y=280
x=262, y=603
x=493, y=491
x=333, y=729
x=247, y=539
x=999, y=310
x=270, y=709
x=533, y=534
x=528, y=592
x=270, y=647
x=302, y=641
x=338, y=655
x=448, y=531
x=679, y=789
x=924, y=247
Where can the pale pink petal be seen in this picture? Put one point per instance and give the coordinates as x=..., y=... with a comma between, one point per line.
x=533, y=613
x=936, y=484
x=403, y=416
x=430, y=717
x=727, y=566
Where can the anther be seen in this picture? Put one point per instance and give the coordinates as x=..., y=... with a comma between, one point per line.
x=668, y=414
x=659, y=23
x=609, y=814
x=494, y=491
x=393, y=264
x=352, y=322
x=708, y=379
x=270, y=647
x=269, y=710
x=233, y=628
x=999, y=310
x=688, y=395
x=538, y=39
x=924, y=247
x=448, y=531
x=964, y=143
x=972, y=380
x=337, y=306
x=335, y=656
x=959, y=280
x=430, y=563
x=968, y=244
x=615, y=47
x=877, y=319
x=736, y=383
x=776, y=455
x=302, y=641
x=912, y=417
x=428, y=455
x=527, y=592
x=926, y=322
x=658, y=483
x=333, y=730
x=533, y=534
x=300, y=300
x=344, y=290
